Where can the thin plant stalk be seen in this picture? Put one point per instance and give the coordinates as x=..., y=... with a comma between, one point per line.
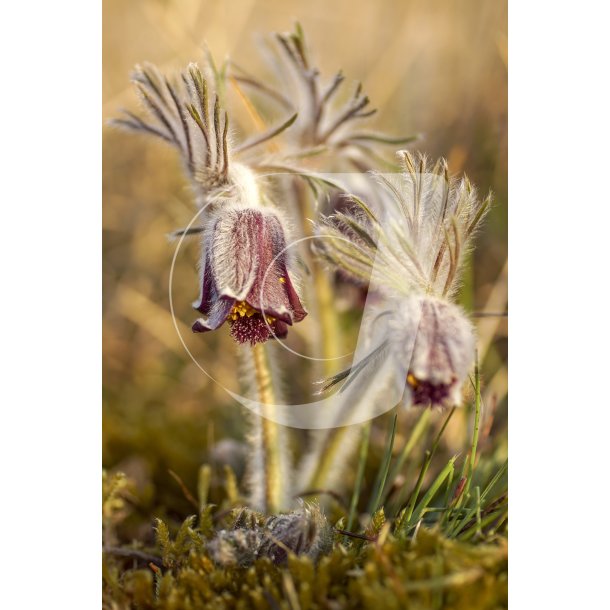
x=424, y=469
x=470, y=462
x=269, y=437
x=477, y=491
x=429, y=495
x=449, y=488
x=332, y=442
x=477, y=422
x=457, y=524
x=501, y=512
x=498, y=525
x=383, y=469
x=364, y=448
x=421, y=425
x=459, y=495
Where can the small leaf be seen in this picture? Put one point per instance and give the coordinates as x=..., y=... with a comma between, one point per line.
x=268, y=135
x=203, y=485
x=163, y=540
x=383, y=468
x=383, y=139
x=206, y=521
x=377, y=522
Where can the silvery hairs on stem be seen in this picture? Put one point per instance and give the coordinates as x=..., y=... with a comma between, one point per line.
x=411, y=251
x=246, y=276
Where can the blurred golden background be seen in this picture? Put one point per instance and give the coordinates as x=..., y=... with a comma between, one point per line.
x=436, y=68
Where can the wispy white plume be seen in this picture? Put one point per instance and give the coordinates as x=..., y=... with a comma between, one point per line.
x=418, y=240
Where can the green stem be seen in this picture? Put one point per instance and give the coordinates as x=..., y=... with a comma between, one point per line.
x=330, y=340
x=477, y=421
x=364, y=448
x=329, y=327
x=424, y=469
x=457, y=524
x=269, y=434
x=383, y=469
x=440, y=479
x=418, y=431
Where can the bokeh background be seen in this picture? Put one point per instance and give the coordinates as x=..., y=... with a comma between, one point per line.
x=432, y=67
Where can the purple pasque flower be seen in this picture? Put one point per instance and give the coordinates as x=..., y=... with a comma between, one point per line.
x=438, y=343
x=244, y=276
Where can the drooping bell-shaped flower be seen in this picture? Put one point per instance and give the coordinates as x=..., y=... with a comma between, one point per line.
x=245, y=279
x=438, y=343
x=409, y=246
x=244, y=267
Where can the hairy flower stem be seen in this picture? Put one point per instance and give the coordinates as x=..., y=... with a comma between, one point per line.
x=269, y=434
x=330, y=340
x=330, y=333
x=329, y=446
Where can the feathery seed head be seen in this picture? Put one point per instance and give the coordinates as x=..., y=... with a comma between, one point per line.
x=416, y=237
x=409, y=247
x=235, y=547
x=304, y=531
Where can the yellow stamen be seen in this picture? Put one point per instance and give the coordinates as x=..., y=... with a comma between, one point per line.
x=242, y=309
x=282, y=280
x=412, y=380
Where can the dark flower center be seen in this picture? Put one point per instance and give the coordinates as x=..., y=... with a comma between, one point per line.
x=248, y=324
x=425, y=393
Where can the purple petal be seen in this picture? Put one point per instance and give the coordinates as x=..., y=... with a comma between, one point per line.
x=217, y=316
x=280, y=329
x=209, y=293
x=272, y=291
x=233, y=255
x=244, y=260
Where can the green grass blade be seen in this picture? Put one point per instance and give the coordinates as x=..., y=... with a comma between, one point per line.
x=477, y=496
x=383, y=470
x=458, y=524
x=421, y=425
x=364, y=448
x=440, y=479
x=500, y=515
x=448, y=488
x=477, y=422
x=424, y=469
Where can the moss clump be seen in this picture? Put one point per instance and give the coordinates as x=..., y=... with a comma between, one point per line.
x=428, y=572
x=240, y=559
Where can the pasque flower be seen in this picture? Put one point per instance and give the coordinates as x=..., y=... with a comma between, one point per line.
x=412, y=252
x=244, y=267
x=441, y=344
x=244, y=276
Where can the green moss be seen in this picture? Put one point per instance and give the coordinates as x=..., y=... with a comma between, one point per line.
x=182, y=569
x=428, y=572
